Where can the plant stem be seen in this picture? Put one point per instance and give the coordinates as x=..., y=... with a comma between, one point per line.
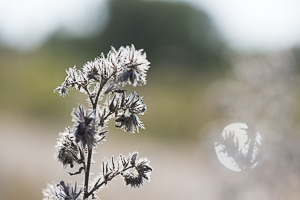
x=90, y=150
x=87, y=173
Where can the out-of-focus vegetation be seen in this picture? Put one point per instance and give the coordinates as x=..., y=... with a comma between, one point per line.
x=185, y=51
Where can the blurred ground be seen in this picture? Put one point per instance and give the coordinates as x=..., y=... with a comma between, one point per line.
x=196, y=87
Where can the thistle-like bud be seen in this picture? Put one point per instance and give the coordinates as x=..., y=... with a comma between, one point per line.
x=91, y=70
x=68, y=192
x=67, y=149
x=135, y=104
x=130, y=123
x=133, y=66
x=83, y=128
x=61, y=191
x=52, y=192
x=71, y=81
x=142, y=171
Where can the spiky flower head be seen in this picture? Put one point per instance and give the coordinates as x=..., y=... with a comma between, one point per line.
x=142, y=171
x=129, y=123
x=124, y=66
x=62, y=191
x=83, y=128
x=67, y=149
x=52, y=192
x=98, y=69
x=132, y=65
x=70, y=81
x=134, y=103
x=68, y=192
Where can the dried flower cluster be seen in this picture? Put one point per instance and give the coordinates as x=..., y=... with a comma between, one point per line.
x=62, y=191
x=102, y=80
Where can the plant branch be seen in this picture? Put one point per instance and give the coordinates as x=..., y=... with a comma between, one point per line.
x=89, y=94
x=103, y=82
x=109, y=178
x=78, y=172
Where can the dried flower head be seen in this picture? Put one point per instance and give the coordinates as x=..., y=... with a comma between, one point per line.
x=68, y=192
x=63, y=89
x=70, y=81
x=142, y=170
x=133, y=65
x=130, y=123
x=52, y=192
x=61, y=191
x=134, y=103
x=67, y=149
x=91, y=70
x=98, y=69
x=84, y=130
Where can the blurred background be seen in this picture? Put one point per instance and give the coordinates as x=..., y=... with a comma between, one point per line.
x=212, y=63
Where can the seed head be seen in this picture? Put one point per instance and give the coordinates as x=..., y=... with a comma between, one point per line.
x=83, y=128
x=132, y=65
x=130, y=123
x=67, y=149
x=142, y=171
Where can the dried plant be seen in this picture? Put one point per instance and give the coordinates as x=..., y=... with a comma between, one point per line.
x=102, y=80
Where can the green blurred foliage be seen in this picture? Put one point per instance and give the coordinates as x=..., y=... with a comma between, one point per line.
x=185, y=51
x=169, y=32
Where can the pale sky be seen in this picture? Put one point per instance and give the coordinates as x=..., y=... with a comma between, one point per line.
x=28, y=23
x=256, y=24
x=244, y=24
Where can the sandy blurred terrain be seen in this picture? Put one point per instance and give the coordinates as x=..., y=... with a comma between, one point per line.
x=181, y=171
